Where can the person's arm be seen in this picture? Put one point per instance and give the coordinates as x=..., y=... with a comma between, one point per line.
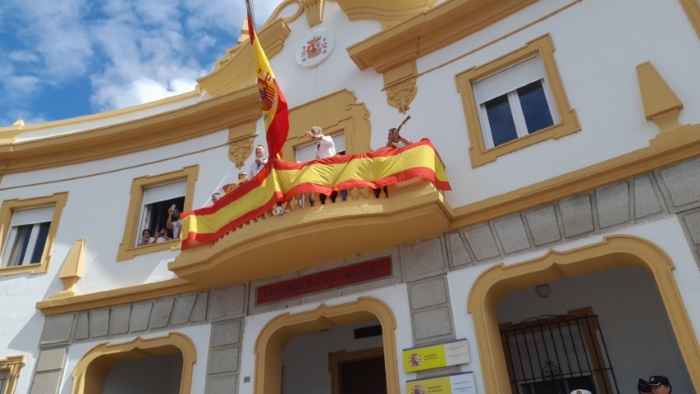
x=169, y=223
x=327, y=140
x=405, y=140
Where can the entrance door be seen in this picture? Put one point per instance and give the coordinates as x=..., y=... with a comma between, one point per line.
x=360, y=372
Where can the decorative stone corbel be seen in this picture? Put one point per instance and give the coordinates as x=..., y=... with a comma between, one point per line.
x=240, y=139
x=661, y=105
x=72, y=270
x=314, y=11
x=400, y=86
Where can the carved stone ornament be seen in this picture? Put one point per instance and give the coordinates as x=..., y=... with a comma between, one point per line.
x=241, y=149
x=400, y=95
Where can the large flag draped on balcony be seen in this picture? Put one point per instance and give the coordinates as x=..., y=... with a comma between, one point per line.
x=272, y=101
x=280, y=181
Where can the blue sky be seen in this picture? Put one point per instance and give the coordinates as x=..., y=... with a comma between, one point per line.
x=66, y=58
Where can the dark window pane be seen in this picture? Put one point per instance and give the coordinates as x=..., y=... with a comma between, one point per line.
x=501, y=120
x=40, y=242
x=19, y=247
x=535, y=108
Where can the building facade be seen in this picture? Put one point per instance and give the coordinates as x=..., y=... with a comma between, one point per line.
x=566, y=255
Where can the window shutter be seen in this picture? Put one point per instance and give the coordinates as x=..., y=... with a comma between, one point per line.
x=165, y=192
x=507, y=80
x=22, y=217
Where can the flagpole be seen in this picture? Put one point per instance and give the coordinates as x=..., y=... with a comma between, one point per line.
x=251, y=16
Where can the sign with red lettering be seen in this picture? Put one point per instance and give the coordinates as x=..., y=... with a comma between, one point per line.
x=326, y=280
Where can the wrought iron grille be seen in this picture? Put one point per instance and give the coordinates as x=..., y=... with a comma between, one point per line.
x=558, y=354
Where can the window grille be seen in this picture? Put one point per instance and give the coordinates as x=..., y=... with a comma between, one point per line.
x=558, y=354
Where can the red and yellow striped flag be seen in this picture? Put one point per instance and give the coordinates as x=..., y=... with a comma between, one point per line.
x=274, y=105
x=281, y=180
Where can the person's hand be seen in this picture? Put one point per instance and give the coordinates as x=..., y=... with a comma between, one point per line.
x=170, y=210
x=309, y=134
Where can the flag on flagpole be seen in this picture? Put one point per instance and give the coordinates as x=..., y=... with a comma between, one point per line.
x=272, y=101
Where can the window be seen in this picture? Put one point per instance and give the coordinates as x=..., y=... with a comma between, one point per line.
x=27, y=230
x=157, y=200
x=151, y=197
x=307, y=152
x=9, y=373
x=26, y=240
x=515, y=101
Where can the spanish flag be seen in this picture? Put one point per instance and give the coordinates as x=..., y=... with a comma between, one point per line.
x=281, y=180
x=274, y=105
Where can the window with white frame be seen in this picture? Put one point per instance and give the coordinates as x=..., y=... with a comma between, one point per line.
x=27, y=235
x=515, y=102
x=156, y=202
x=308, y=152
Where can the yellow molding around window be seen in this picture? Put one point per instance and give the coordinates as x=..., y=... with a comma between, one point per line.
x=127, y=250
x=335, y=113
x=614, y=251
x=568, y=123
x=58, y=200
x=692, y=9
x=91, y=372
x=12, y=365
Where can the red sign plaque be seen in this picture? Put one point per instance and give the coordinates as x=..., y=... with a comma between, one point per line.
x=326, y=280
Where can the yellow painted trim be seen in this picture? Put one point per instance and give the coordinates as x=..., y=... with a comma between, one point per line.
x=72, y=270
x=429, y=31
x=334, y=113
x=314, y=11
x=91, y=371
x=568, y=121
x=104, y=115
x=155, y=131
x=13, y=366
x=126, y=250
x=388, y=12
x=58, y=200
x=236, y=71
x=615, y=251
x=337, y=358
x=120, y=296
x=661, y=105
x=278, y=11
x=692, y=10
x=273, y=338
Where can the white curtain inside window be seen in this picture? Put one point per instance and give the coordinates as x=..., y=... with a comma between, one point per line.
x=164, y=192
x=23, y=217
x=513, y=77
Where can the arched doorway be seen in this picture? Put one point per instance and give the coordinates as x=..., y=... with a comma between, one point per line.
x=615, y=251
x=94, y=367
x=273, y=338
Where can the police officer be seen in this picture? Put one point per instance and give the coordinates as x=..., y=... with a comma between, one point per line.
x=660, y=385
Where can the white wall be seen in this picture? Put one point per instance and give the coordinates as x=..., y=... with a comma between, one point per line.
x=153, y=375
x=305, y=360
x=633, y=322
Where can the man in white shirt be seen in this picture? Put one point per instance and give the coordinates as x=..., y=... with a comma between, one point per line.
x=174, y=223
x=259, y=163
x=325, y=147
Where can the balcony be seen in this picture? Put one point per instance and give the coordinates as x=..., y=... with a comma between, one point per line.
x=306, y=236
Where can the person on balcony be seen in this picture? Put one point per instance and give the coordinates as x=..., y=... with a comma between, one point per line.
x=162, y=236
x=259, y=163
x=396, y=140
x=229, y=187
x=325, y=148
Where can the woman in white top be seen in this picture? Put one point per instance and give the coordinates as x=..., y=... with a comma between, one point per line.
x=259, y=163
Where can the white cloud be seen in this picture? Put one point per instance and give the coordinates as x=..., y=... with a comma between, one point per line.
x=23, y=56
x=133, y=51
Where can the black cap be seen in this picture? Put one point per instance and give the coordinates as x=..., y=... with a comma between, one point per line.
x=643, y=386
x=658, y=380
